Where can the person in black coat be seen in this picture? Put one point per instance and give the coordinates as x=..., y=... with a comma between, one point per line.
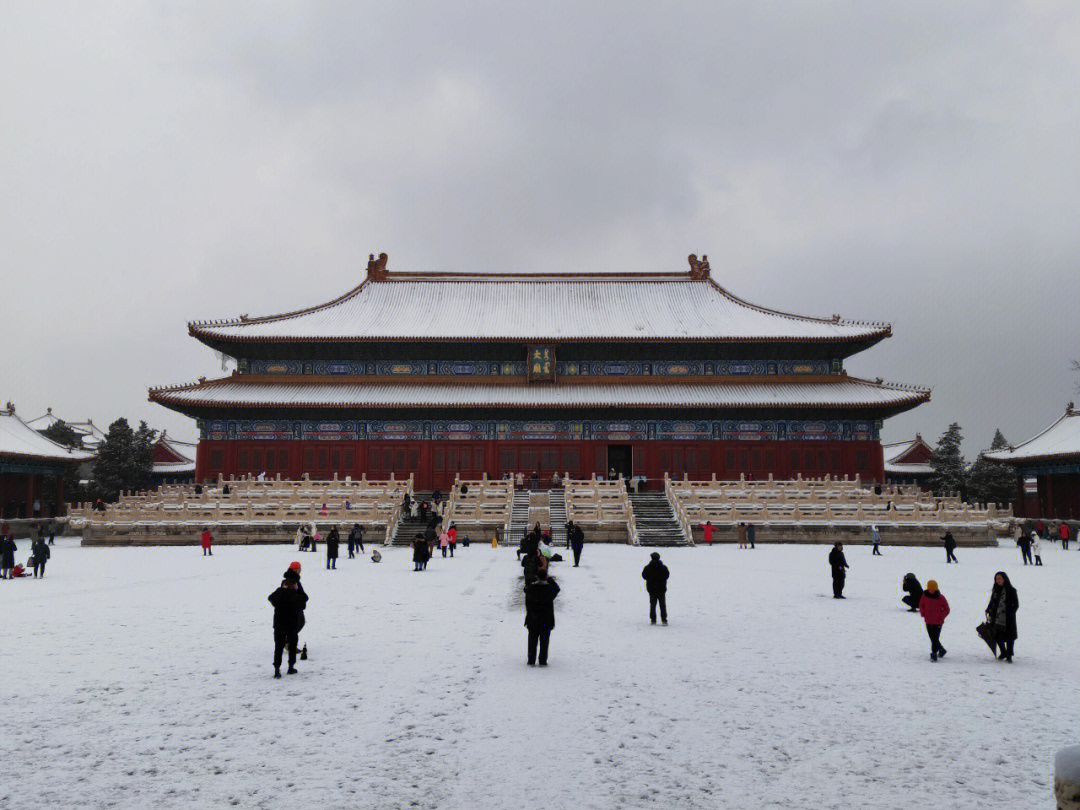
x=950, y=547
x=914, y=591
x=531, y=564
x=406, y=503
x=289, y=601
x=569, y=532
x=333, y=543
x=838, y=563
x=356, y=540
x=41, y=553
x=655, y=574
x=7, y=555
x=540, y=614
x=420, y=552
x=1025, y=548
x=1001, y=614
x=577, y=542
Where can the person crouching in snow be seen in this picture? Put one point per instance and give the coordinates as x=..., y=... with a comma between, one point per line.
x=934, y=607
x=914, y=591
x=207, y=543
x=289, y=601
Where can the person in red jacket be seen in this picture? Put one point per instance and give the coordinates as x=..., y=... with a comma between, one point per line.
x=707, y=528
x=1063, y=533
x=207, y=542
x=934, y=607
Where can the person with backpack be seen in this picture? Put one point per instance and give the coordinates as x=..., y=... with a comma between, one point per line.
x=41, y=551
x=950, y=548
x=356, y=540
x=289, y=601
x=1025, y=547
x=934, y=607
x=540, y=596
x=656, y=574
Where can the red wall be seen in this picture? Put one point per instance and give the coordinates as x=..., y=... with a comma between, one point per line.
x=436, y=463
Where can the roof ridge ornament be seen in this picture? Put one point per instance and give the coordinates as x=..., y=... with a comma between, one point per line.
x=699, y=270
x=1070, y=409
x=376, y=268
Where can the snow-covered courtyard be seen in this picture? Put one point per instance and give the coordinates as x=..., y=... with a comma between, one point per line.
x=141, y=677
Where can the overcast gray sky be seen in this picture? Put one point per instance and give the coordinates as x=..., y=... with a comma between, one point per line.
x=915, y=162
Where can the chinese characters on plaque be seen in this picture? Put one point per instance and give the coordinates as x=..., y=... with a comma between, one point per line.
x=541, y=363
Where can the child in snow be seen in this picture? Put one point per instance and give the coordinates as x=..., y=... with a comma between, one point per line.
x=933, y=607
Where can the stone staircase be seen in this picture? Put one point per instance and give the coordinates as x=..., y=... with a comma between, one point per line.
x=519, y=517
x=655, y=521
x=557, y=507
x=408, y=527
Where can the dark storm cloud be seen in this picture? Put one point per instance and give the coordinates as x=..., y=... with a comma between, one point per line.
x=910, y=162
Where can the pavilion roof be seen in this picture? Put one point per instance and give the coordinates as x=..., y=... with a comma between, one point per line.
x=1059, y=440
x=18, y=439
x=245, y=391
x=895, y=453
x=552, y=307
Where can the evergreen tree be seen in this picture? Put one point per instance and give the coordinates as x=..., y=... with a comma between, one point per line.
x=950, y=470
x=62, y=433
x=124, y=460
x=993, y=481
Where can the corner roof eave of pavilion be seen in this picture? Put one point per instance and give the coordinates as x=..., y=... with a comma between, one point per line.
x=1060, y=440
x=258, y=393
x=538, y=308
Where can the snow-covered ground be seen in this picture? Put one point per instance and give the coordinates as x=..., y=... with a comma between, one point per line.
x=141, y=677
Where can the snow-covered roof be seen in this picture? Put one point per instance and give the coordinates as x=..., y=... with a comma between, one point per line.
x=1061, y=439
x=894, y=452
x=180, y=449
x=238, y=391
x=171, y=467
x=541, y=308
x=17, y=438
x=908, y=469
x=45, y=421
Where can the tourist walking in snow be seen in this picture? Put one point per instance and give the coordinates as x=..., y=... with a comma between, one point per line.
x=934, y=607
x=1001, y=614
x=1063, y=534
x=1025, y=547
x=41, y=552
x=751, y=533
x=742, y=535
x=333, y=543
x=950, y=548
x=419, y=554
x=540, y=596
x=1036, y=548
x=914, y=592
x=289, y=601
x=577, y=543
x=451, y=534
x=655, y=574
x=206, y=540
x=7, y=555
x=444, y=543
x=406, y=503
x=838, y=563
x=875, y=535
x=356, y=539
